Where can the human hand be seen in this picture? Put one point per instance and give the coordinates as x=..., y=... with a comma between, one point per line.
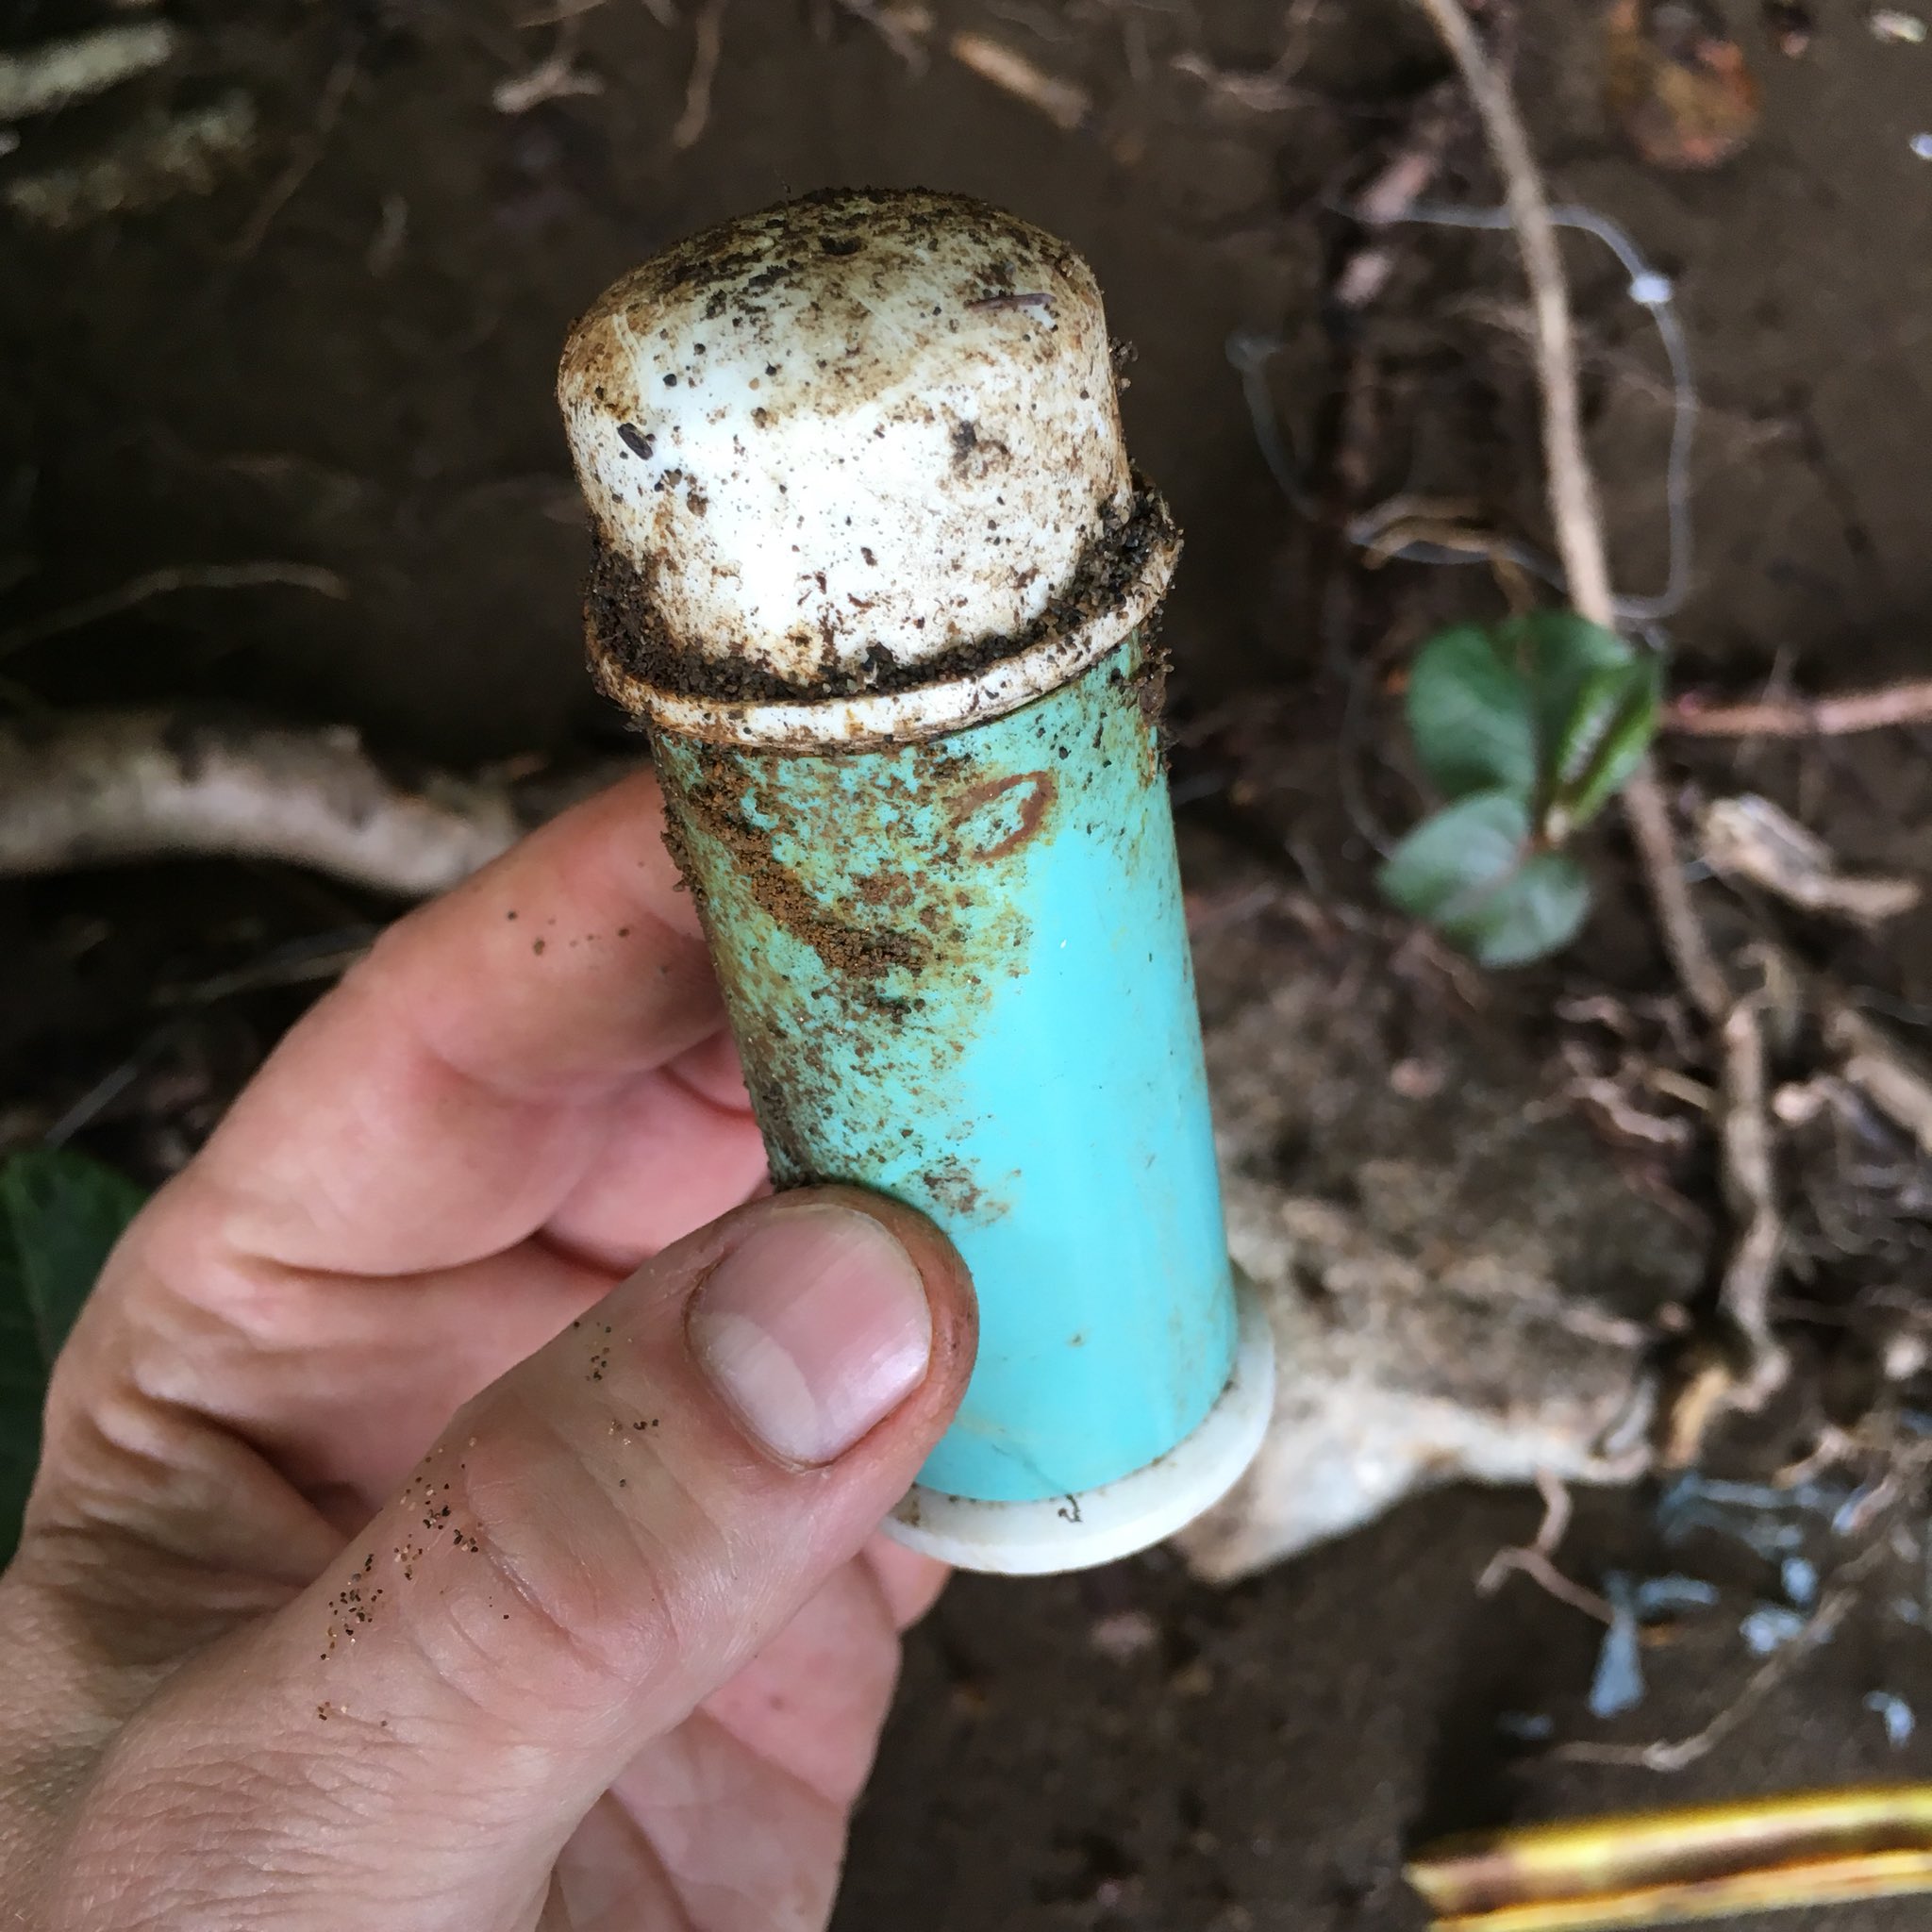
x=419, y=1542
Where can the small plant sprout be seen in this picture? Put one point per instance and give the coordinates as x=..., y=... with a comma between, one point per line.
x=1527, y=728
x=60, y=1214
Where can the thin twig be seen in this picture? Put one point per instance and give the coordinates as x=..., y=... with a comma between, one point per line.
x=708, y=44
x=556, y=15
x=1572, y=496
x=1266, y=89
x=902, y=25
x=1537, y=1560
x=164, y=582
x=1881, y=1070
x=328, y=108
x=1907, y=703
x=1063, y=102
x=1752, y=840
x=1297, y=37
x=1571, y=489
x=556, y=78
x=1746, y=1144
x=1402, y=180
x=300, y=966
x=386, y=244
x=1608, y=1098
x=1649, y=817
x=1833, y=1607
x=105, y=1092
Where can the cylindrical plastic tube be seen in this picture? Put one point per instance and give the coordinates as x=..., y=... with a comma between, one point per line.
x=873, y=569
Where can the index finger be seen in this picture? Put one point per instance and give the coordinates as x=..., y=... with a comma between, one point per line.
x=446, y=1098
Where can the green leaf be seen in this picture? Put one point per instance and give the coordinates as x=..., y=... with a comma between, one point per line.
x=1472, y=716
x=1473, y=872
x=1453, y=858
x=1609, y=727
x=60, y=1213
x=1548, y=706
x=23, y=1388
x=1559, y=652
x=1555, y=642
x=1534, y=913
x=1529, y=728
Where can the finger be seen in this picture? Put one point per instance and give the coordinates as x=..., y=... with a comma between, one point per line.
x=909, y=1582
x=461, y=1083
x=599, y=1541
x=713, y=1070
x=343, y=1381
x=694, y=1797
x=674, y=1157
x=813, y=1699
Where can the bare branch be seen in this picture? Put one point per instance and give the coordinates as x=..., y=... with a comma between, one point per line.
x=119, y=785
x=1750, y=1192
x=1064, y=103
x=53, y=75
x=709, y=44
x=328, y=108
x=1907, y=703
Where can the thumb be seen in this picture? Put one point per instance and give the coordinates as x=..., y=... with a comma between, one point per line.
x=598, y=1540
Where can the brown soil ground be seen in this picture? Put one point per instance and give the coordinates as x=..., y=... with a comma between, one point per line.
x=359, y=375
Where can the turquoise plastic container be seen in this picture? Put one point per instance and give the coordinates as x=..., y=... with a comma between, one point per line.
x=874, y=568
x=958, y=973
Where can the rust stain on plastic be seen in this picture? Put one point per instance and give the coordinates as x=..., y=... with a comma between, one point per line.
x=910, y=922
x=857, y=949
x=869, y=912
x=1036, y=791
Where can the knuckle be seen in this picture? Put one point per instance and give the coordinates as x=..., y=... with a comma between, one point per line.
x=557, y=1598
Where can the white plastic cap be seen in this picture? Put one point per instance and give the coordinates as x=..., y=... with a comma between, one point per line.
x=856, y=474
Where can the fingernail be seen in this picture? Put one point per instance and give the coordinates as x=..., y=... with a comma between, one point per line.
x=813, y=1328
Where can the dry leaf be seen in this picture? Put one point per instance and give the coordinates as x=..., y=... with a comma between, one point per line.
x=1750, y=837
x=1676, y=84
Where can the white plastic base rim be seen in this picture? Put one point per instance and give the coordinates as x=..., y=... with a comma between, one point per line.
x=1099, y=1526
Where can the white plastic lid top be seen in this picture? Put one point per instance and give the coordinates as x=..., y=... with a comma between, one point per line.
x=856, y=472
